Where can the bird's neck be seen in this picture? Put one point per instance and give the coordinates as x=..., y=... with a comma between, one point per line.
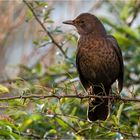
x=98, y=30
x=99, y=33
x=87, y=40
x=95, y=35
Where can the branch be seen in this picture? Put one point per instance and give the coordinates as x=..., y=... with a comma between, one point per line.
x=136, y=11
x=44, y=28
x=99, y=124
x=28, y=135
x=73, y=128
x=71, y=96
x=117, y=130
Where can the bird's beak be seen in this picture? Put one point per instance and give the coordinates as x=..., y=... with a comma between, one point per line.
x=69, y=22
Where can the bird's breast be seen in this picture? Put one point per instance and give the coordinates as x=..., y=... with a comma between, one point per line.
x=98, y=61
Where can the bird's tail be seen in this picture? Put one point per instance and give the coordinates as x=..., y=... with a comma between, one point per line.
x=99, y=108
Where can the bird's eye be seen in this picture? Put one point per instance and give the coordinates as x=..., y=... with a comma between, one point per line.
x=81, y=22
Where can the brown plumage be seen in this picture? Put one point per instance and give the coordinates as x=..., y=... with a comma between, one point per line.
x=99, y=62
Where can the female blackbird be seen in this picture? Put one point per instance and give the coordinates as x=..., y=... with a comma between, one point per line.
x=99, y=62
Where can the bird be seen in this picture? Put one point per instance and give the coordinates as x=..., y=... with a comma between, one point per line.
x=99, y=63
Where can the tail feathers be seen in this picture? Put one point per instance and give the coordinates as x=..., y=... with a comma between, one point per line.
x=98, y=110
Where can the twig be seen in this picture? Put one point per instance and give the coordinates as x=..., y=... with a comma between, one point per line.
x=117, y=130
x=99, y=124
x=136, y=11
x=70, y=96
x=44, y=28
x=68, y=124
x=107, y=128
x=28, y=135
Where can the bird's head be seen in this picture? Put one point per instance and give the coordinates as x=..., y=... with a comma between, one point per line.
x=87, y=23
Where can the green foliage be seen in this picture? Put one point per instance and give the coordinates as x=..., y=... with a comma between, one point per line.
x=65, y=118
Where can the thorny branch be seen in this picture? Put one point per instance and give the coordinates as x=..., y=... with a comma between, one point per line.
x=44, y=28
x=124, y=99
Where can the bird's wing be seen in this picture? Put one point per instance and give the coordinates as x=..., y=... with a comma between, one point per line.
x=84, y=82
x=120, y=58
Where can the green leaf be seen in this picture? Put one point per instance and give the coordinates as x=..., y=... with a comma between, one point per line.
x=41, y=3
x=124, y=12
x=3, y=89
x=61, y=123
x=9, y=135
x=29, y=15
x=119, y=112
x=52, y=131
x=74, y=111
x=36, y=42
x=38, y=68
x=26, y=124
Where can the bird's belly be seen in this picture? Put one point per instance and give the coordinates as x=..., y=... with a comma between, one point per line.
x=98, y=67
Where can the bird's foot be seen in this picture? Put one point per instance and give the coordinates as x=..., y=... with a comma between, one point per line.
x=80, y=94
x=90, y=90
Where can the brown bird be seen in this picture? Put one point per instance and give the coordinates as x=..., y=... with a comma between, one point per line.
x=99, y=62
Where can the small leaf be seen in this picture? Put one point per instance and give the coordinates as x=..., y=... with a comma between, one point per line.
x=74, y=111
x=62, y=123
x=120, y=111
x=3, y=89
x=29, y=15
x=52, y=131
x=124, y=13
x=36, y=42
x=26, y=124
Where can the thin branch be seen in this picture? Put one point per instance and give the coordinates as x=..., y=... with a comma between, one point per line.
x=73, y=128
x=117, y=130
x=136, y=11
x=44, y=28
x=70, y=96
x=107, y=128
x=99, y=124
x=28, y=135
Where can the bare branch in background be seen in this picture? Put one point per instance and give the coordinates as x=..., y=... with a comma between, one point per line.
x=96, y=5
x=136, y=11
x=44, y=28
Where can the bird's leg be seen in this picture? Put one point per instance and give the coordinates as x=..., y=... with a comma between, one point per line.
x=102, y=91
x=111, y=100
x=117, y=89
x=90, y=92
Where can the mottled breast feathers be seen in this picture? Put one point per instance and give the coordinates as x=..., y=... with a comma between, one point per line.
x=100, y=60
